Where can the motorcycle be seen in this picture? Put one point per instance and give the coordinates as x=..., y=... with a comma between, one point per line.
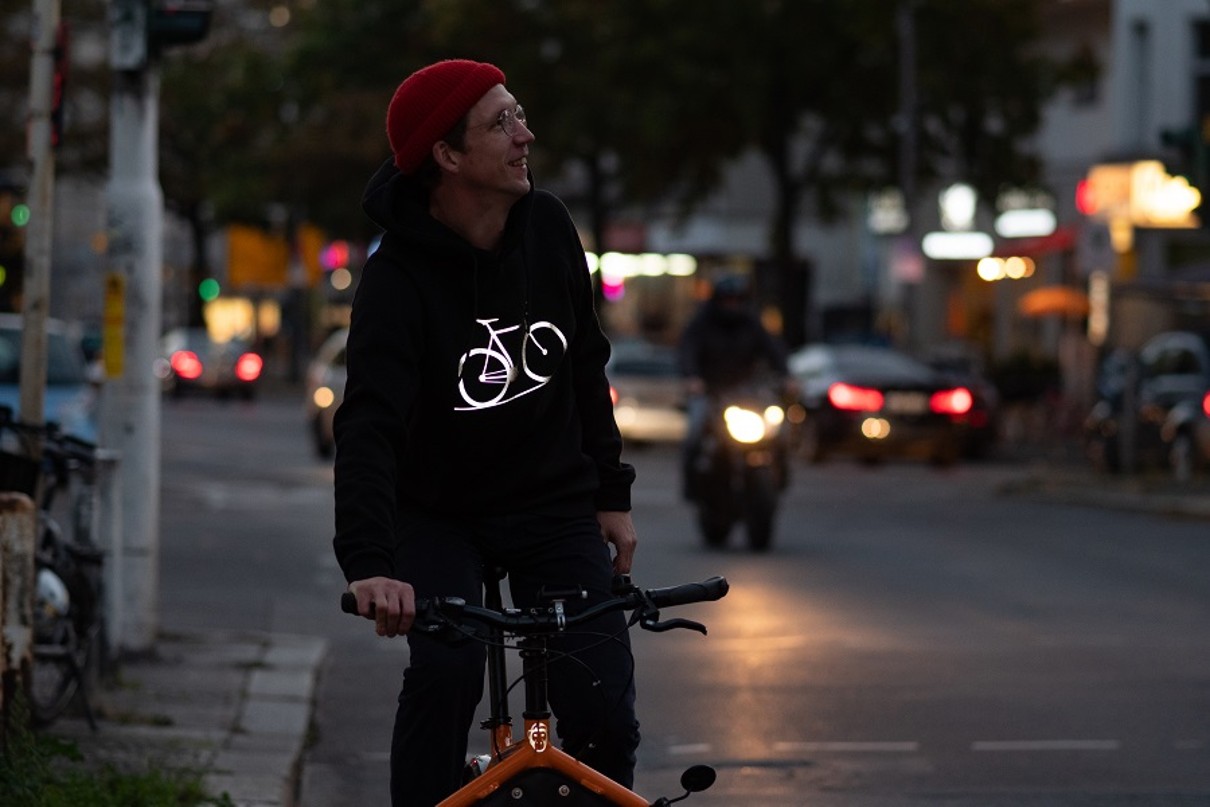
x=739, y=467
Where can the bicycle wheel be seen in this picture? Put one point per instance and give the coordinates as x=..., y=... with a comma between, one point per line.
x=489, y=372
x=55, y=674
x=548, y=346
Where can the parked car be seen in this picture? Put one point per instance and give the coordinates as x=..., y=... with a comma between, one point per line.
x=876, y=402
x=648, y=392
x=1167, y=387
x=983, y=421
x=325, y=389
x=191, y=361
x=70, y=400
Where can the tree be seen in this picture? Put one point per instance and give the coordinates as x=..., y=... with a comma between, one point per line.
x=812, y=85
x=649, y=100
x=218, y=127
x=345, y=61
x=814, y=95
x=84, y=148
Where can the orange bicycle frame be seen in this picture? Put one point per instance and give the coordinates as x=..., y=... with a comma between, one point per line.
x=538, y=752
x=509, y=759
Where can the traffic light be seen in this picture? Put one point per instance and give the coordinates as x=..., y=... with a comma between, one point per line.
x=177, y=22
x=209, y=290
x=140, y=30
x=14, y=216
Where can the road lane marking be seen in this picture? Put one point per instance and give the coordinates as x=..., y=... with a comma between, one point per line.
x=690, y=748
x=844, y=747
x=1046, y=745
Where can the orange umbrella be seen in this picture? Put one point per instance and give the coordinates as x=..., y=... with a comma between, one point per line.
x=1063, y=301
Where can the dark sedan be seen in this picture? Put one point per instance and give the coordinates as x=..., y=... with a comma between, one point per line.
x=191, y=360
x=875, y=402
x=983, y=420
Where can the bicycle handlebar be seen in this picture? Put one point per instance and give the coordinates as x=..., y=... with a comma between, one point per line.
x=53, y=441
x=435, y=614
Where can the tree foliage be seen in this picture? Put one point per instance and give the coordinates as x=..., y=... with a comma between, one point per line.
x=83, y=149
x=645, y=101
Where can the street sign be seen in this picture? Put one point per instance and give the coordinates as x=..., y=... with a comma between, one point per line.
x=1094, y=248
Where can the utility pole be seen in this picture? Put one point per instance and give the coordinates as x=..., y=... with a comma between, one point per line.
x=905, y=26
x=130, y=404
x=130, y=407
x=35, y=307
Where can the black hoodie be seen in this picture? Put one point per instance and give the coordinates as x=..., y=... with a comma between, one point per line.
x=449, y=407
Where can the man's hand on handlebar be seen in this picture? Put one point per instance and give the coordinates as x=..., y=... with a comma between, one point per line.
x=390, y=603
x=617, y=528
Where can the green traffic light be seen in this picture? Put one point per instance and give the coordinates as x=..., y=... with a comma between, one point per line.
x=20, y=214
x=208, y=289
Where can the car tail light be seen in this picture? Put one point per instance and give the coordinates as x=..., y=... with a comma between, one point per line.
x=613, y=394
x=248, y=367
x=854, y=399
x=957, y=401
x=186, y=364
x=1206, y=404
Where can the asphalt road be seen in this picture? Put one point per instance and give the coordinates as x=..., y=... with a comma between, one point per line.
x=915, y=636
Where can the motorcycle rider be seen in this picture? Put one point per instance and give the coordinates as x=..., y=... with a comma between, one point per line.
x=724, y=347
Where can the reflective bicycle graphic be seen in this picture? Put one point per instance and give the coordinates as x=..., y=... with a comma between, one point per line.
x=489, y=376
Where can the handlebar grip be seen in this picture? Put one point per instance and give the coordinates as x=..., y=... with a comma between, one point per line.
x=708, y=590
x=348, y=603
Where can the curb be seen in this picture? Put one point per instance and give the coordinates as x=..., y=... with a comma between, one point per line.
x=235, y=707
x=1131, y=494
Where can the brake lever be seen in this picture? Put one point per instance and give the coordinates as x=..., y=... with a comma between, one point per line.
x=659, y=626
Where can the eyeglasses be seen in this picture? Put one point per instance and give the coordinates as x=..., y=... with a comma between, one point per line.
x=507, y=121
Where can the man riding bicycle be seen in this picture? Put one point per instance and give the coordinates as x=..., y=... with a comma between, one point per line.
x=439, y=476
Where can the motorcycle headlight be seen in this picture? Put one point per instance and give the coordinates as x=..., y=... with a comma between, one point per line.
x=744, y=425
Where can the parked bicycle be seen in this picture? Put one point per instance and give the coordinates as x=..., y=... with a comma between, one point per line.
x=535, y=771
x=59, y=472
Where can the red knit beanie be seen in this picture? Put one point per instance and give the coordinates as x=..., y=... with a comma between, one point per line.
x=430, y=101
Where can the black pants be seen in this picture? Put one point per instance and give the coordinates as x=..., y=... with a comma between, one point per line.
x=592, y=695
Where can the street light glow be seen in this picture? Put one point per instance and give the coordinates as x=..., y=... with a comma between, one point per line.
x=957, y=246
x=621, y=265
x=1033, y=223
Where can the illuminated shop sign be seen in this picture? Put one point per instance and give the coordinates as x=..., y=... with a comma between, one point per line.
x=1142, y=194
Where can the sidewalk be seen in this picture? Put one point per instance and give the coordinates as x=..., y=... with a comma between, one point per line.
x=1145, y=494
x=235, y=707
x=1057, y=471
